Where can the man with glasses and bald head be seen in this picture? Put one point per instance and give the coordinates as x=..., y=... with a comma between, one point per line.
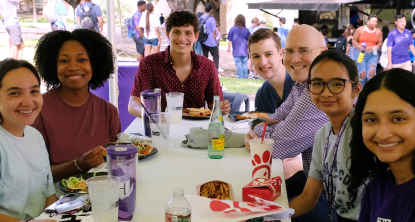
x=294, y=123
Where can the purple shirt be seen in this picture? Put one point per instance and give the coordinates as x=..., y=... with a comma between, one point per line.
x=210, y=28
x=400, y=43
x=386, y=201
x=239, y=38
x=299, y=121
x=136, y=21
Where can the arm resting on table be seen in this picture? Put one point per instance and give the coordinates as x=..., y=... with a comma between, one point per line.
x=134, y=106
x=307, y=200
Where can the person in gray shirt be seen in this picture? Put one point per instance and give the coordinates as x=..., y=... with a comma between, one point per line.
x=8, y=10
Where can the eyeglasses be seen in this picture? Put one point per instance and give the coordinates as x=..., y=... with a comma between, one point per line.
x=301, y=51
x=335, y=86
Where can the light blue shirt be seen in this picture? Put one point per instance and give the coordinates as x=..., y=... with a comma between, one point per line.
x=8, y=9
x=60, y=10
x=210, y=28
x=25, y=176
x=282, y=33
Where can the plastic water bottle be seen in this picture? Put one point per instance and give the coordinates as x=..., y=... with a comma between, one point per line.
x=178, y=208
x=216, y=148
x=362, y=53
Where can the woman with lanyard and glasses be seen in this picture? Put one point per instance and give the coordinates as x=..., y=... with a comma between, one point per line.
x=333, y=84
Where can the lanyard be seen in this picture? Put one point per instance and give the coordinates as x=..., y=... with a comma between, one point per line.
x=328, y=183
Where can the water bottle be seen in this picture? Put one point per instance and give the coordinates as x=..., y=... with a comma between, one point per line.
x=121, y=162
x=216, y=148
x=362, y=53
x=178, y=208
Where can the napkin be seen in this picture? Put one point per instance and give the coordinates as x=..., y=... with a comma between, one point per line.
x=199, y=138
x=205, y=209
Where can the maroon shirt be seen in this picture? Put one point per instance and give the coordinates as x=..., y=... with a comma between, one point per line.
x=156, y=71
x=71, y=131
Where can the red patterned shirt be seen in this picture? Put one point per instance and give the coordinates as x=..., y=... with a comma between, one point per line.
x=156, y=71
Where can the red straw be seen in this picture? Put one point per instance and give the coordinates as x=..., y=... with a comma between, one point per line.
x=263, y=133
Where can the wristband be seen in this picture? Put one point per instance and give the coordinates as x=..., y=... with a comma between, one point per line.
x=77, y=164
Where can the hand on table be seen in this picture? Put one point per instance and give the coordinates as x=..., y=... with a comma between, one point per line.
x=92, y=158
x=225, y=106
x=249, y=136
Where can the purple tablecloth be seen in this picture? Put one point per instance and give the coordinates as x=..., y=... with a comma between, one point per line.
x=126, y=74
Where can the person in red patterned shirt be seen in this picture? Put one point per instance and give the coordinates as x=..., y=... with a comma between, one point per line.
x=178, y=69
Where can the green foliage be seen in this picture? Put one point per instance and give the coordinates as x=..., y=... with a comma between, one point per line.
x=269, y=23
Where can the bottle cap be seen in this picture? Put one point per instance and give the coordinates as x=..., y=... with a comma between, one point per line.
x=178, y=192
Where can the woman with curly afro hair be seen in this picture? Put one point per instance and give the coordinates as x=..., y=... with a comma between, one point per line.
x=75, y=123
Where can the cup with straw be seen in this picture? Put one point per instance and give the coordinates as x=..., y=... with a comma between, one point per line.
x=261, y=156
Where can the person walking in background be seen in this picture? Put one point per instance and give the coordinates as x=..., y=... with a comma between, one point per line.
x=399, y=40
x=60, y=23
x=252, y=72
x=8, y=9
x=349, y=35
x=151, y=33
x=410, y=53
x=210, y=45
x=372, y=36
x=94, y=21
x=283, y=31
x=161, y=18
x=137, y=37
x=238, y=37
x=261, y=25
x=254, y=23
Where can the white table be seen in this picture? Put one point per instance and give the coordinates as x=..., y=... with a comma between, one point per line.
x=187, y=167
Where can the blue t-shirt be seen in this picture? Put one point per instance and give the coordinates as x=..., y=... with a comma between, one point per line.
x=400, y=43
x=60, y=10
x=96, y=12
x=136, y=21
x=383, y=200
x=210, y=28
x=267, y=99
x=353, y=19
x=282, y=33
x=411, y=55
x=239, y=38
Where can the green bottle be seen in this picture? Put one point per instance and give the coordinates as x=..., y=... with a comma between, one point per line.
x=216, y=148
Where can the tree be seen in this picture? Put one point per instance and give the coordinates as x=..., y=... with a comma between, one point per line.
x=191, y=5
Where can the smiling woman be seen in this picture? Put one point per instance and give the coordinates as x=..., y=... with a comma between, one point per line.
x=74, y=122
x=25, y=174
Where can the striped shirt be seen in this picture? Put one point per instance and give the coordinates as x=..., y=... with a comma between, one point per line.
x=299, y=121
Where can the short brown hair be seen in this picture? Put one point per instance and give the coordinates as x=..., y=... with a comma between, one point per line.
x=262, y=34
x=255, y=20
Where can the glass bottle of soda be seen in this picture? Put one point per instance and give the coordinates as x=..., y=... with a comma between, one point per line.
x=216, y=148
x=178, y=208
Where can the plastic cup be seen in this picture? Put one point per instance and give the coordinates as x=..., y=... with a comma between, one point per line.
x=375, y=50
x=103, y=193
x=160, y=131
x=175, y=106
x=261, y=158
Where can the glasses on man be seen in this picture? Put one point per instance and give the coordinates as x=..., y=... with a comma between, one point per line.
x=335, y=86
x=300, y=51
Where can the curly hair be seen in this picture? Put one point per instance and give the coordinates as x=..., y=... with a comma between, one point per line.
x=262, y=34
x=240, y=21
x=99, y=51
x=182, y=18
x=8, y=65
x=364, y=164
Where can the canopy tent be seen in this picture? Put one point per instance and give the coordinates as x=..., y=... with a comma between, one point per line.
x=312, y=5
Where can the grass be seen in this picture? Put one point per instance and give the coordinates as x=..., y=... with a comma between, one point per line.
x=245, y=86
x=42, y=19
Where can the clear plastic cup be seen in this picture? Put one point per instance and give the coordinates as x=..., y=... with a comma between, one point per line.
x=103, y=193
x=175, y=106
x=160, y=129
x=261, y=158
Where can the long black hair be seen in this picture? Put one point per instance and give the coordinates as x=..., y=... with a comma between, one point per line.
x=99, y=51
x=364, y=164
x=8, y=65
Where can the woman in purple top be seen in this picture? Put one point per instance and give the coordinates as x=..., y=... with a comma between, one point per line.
x=383, y=147
x=238, y=36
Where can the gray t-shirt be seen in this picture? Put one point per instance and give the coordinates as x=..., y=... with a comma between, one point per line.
x=25, y=176
x=344, y=207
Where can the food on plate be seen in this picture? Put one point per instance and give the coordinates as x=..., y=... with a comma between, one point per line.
x=104, y=153
x=215, y=189
x=251, y=115
x=198, y=111
x=75, y=184
x=144, y=148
